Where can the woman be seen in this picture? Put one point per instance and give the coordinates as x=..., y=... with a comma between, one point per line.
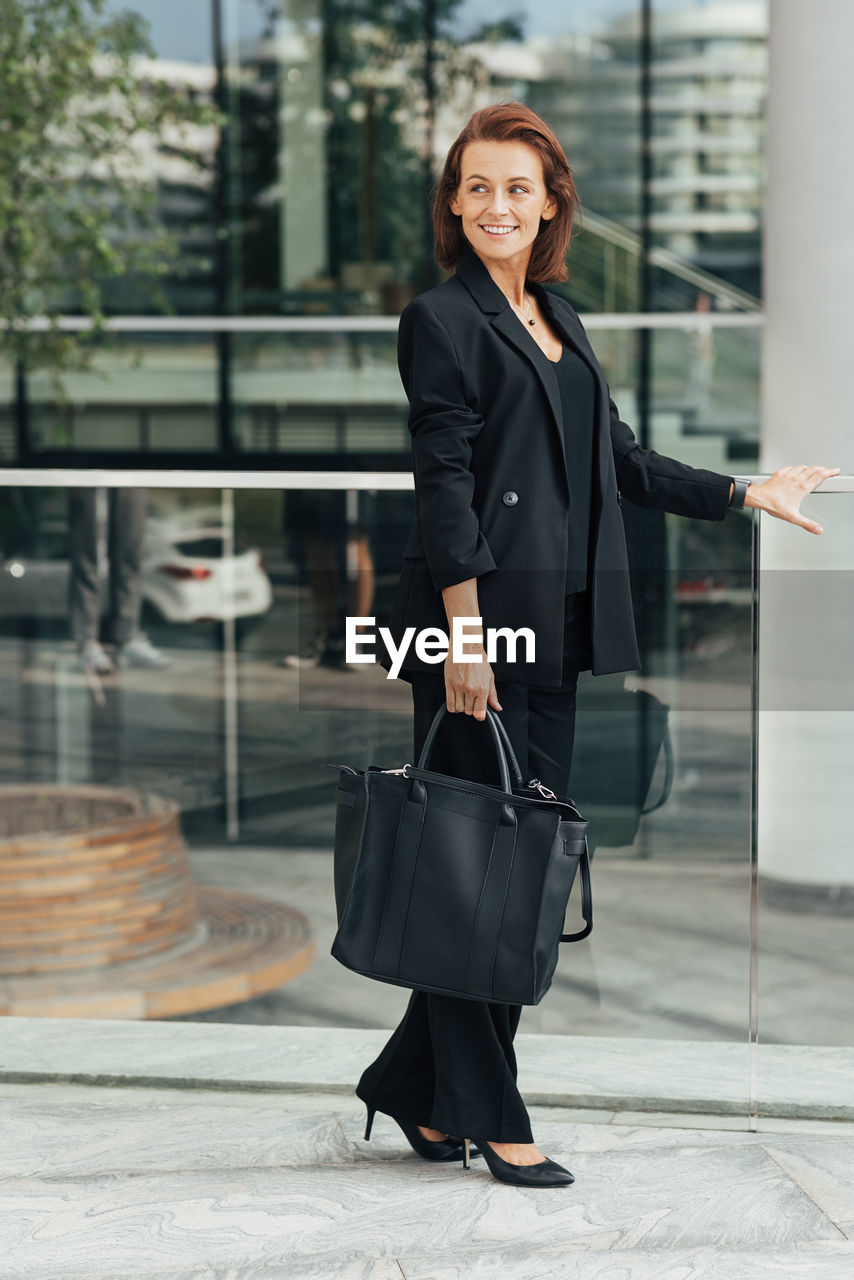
x=520, y=458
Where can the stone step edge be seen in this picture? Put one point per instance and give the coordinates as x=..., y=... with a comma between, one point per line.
x=662, y=1103
x=581, y=1072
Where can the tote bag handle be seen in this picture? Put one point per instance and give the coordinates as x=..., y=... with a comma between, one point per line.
x=506, y=755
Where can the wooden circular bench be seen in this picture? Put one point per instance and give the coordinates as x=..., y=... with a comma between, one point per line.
x=100, y=916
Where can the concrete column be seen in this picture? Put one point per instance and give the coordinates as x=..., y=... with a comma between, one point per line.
x=806, y=679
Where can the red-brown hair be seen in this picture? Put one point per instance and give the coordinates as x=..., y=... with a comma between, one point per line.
x=510, y=122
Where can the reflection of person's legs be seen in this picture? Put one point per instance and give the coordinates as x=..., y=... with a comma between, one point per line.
x=84, y=601
x=324, y=581
x=313, y=520
x=322, y=565
x=360, y=585
x=128, y=511
x=332, y=537
x=357, y=572
x=127, y=531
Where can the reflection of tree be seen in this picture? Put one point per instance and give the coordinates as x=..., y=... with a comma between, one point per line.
x=509, y=28
x=254, y=190
x=78, y=180
x=375, y=177
x=386, y=67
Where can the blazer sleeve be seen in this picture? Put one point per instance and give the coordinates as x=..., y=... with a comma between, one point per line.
x=442, y=428
x=651, y=479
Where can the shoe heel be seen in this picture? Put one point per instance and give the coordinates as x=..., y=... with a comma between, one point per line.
x=466, y=1153
x=371, y=1113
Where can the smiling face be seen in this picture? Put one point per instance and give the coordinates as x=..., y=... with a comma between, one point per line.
x=501, y=198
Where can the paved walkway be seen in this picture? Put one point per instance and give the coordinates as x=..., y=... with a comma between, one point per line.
x=141, y=1183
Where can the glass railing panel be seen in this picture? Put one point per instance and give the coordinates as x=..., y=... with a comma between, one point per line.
x=805, y=1055
x=243, y=592
x=668, y=958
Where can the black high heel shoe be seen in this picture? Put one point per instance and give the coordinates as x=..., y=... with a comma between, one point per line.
x=445, y=1150
x=545, y=1174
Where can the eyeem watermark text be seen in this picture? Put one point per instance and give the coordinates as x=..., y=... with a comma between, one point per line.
x=432, y=643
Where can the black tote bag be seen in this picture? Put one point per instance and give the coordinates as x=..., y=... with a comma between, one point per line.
x=456, y=887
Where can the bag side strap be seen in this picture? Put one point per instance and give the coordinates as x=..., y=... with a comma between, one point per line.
x=667, y=784
x=586, y=900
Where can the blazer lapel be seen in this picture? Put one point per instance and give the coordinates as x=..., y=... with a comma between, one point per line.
x=480, y=284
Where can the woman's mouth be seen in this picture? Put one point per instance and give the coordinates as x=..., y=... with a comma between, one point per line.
x=497, y=229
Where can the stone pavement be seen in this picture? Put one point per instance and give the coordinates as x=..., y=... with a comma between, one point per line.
x=181, y=1151
x=141, y=1183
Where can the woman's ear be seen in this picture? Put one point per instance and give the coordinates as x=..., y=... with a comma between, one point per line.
x=550, y=209
x=454, y=206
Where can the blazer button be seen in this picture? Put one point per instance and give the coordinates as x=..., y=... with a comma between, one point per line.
x=510, y=498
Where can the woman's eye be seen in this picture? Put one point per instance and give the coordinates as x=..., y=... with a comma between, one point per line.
x=478, y=186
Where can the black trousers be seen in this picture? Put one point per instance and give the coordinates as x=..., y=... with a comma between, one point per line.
x=450, y=1064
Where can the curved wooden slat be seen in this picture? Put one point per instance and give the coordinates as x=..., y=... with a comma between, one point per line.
x=243, y=948
x=100, y=916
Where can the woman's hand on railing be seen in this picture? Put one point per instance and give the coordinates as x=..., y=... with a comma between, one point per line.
x=470, y=685
x=782, y=493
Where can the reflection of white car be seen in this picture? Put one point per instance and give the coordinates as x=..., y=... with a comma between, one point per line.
x=187, y=576
x=184, y=573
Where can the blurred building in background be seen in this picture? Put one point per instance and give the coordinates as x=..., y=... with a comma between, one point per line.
x=311, y=202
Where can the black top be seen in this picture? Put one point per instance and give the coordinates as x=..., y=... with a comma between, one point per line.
x=578, y=398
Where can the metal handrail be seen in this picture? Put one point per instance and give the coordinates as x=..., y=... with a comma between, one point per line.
x=682, y=268
x=142, y=478
x=117, y=478
x=376, y=324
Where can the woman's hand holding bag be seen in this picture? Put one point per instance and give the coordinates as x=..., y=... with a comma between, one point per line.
x=470, y=684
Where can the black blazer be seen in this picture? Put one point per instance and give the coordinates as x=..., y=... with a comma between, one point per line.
x=491, y=489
